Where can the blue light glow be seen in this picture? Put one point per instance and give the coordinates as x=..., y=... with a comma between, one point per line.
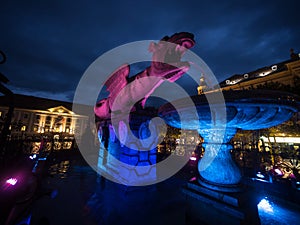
x=42, y=159
x=260, y=175
x=265, y=206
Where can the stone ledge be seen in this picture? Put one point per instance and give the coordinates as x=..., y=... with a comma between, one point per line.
x=207, y=206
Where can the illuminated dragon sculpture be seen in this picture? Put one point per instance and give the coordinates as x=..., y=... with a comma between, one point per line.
x=165, y=65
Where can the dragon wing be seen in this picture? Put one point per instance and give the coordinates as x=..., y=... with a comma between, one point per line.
x=117, y=81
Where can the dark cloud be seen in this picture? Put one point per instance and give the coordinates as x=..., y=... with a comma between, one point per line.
x=49, y=44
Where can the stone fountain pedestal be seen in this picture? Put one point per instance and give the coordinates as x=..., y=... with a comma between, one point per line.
x=207, y=206
x=217, y=196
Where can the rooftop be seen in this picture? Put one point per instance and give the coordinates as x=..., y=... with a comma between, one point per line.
x=257, y=74
x=33, y=103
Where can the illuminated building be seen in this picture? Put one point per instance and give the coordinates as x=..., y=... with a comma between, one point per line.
x=284, y=75
x=34, y=115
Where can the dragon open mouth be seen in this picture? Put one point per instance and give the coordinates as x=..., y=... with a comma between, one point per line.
x=168, y=53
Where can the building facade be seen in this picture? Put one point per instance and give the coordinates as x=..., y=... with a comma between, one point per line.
x=280, y=76
x=34, y=116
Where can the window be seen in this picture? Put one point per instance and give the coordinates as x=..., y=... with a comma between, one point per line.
x=35, y=128
x=6, y=114
x=23, y=128
x=48, y=120
x=47, y=128
x=37, y=119
x=25, y=116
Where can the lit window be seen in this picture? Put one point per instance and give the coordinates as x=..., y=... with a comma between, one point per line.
x=23, y=128
x=274, y=68
x=265, y=73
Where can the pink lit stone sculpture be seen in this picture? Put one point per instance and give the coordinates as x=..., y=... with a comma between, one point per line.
x=127, y=155
x=165, y=65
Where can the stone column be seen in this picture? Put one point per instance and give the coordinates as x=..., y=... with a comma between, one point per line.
x=219, y=199
x=217, y=169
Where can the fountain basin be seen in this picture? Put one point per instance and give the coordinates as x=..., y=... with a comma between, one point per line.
x=247, y=110
x=219, y=115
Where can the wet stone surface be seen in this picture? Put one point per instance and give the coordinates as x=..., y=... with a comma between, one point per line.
x=83, y=197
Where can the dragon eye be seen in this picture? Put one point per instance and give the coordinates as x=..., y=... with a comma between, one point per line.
x=99, y=104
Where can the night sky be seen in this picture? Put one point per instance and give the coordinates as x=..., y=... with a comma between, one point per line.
x=49, y=44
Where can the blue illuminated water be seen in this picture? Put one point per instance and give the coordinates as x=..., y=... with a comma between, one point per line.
x=84, y=198
x=277, y=212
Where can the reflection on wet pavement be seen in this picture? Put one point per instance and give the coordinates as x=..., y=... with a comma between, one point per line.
x=276, y=212
x=86, y=198
x=60, y=169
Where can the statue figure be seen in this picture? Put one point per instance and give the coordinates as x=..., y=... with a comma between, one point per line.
x=165, y=65
x=294, y=56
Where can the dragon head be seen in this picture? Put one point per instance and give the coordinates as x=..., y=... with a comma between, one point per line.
x=167, y=54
